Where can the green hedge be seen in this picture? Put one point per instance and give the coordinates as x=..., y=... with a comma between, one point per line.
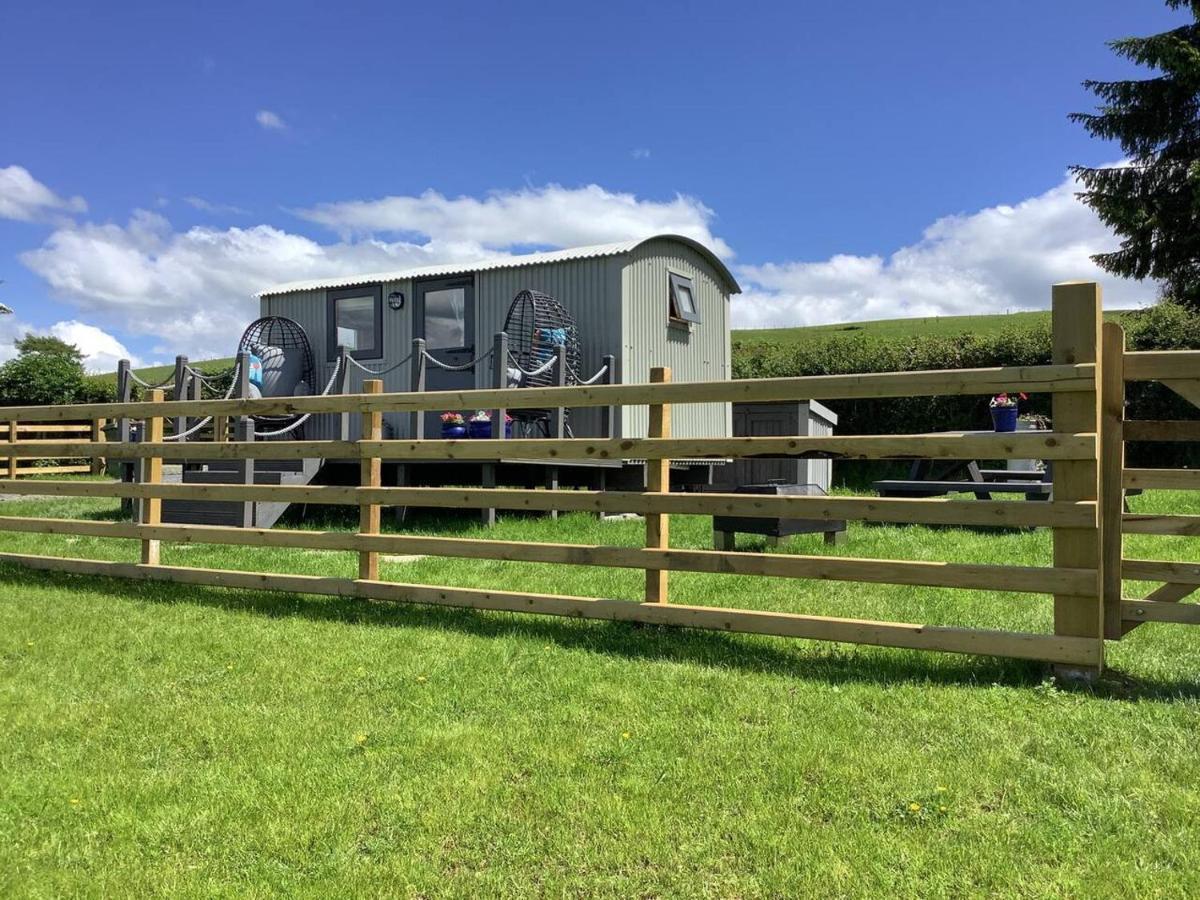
x=1165, y=326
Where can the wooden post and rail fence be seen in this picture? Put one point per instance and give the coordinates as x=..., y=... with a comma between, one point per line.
x=1085, y=378
x=13, y=432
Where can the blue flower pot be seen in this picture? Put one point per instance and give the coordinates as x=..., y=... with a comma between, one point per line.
x=1004, y=418
x=454, y=432
x=484, y=429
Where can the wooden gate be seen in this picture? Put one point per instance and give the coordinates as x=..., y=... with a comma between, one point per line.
x=1178, y=370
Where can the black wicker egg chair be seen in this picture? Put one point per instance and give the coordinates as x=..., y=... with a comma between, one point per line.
x=287, y=359
x=536, y=324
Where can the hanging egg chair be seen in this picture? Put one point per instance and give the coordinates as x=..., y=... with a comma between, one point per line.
x=536, y=324
x=287, y=362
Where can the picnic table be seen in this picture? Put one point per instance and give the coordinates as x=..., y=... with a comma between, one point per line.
x=937, y=478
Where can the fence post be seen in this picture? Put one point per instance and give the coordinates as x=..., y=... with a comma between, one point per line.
x=658, y=481
x=500, y=381
x=99, y=463
x=343, y=388
x=12, y=439
x=370, y=476
x=416, y=427
x=1112, y=470
x=1076, y=320
x=152, y=468
x=181, y=390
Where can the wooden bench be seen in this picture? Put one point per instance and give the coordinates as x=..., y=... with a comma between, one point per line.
x=1033, y=490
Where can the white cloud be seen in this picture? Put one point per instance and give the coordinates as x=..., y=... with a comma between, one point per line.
x=640, y=152
x=1000, y=258
x=11, y=328
x=552, y=216
x=191, y=289
x=271, y=121
x=218, y=209
x=101, y=351
x=24, y=198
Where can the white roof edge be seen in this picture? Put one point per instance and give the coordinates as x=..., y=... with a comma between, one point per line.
x=501, y=262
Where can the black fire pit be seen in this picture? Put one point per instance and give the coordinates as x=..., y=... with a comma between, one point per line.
x=725, y=528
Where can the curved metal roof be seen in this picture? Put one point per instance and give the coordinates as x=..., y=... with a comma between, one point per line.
x=506, y=262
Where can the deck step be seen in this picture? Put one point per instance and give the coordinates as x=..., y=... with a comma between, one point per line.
x=222, y=512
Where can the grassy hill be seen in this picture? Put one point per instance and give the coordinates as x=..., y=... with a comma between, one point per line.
x=159, y=374
x=900, y=329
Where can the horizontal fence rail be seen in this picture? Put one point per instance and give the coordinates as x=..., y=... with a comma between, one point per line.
x=1014, y=445
x=926, y=511
x=1050, y=379
x=1073, y=578
x=1076, y=651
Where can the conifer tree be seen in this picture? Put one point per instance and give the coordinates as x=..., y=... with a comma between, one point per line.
x=1152, y=201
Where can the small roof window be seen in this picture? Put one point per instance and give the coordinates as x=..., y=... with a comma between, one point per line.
x=683, y=299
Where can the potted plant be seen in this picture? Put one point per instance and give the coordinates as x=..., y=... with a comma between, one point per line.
x=1005, y=408
x=453, y=426
x=480, y=425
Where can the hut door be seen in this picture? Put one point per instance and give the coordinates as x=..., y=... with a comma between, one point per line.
x=444, y=314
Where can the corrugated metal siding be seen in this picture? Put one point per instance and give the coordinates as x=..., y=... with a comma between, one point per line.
x=309, y=308
x=619, y=303
x=701, y=353
x=590, y=289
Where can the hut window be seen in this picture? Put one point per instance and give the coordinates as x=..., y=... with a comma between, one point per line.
x=355, y=321
x=683, y=300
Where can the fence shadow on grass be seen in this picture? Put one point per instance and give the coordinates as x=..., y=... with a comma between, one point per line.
x=807, y=660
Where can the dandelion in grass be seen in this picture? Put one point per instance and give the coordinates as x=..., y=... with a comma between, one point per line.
x=914, y=807
x=421, y=679
x=625, y=735
x=74, y=801
x=360, y=739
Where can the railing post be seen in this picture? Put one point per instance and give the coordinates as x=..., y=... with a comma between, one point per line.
x=343, y=388
x=607, y=417
x=242, y=390
x=12, y=439
x=370, y=476
x=124, y=393
x=98, y=462
x=658, y=481
x=558, y=417
x=1076, y=321
x=181, y=390
x=500, y=381
x=152, y=468
x=243, y=433
x=1112, y=472
x=416, y=384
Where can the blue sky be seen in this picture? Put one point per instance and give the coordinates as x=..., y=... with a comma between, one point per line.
x=162, y=161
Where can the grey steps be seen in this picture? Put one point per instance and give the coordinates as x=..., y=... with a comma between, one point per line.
x=233, y=513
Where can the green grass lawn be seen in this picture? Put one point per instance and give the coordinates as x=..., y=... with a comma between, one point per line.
x=161, y=739
x=901, y=329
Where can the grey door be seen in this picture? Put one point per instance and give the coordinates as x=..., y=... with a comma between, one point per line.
x=444, y=314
